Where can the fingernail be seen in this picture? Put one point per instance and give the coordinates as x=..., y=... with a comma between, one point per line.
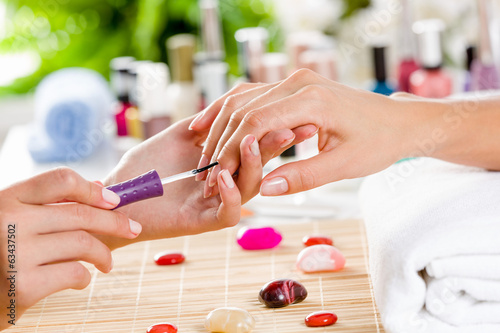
x=213, y=175
x=275, y=186
x=313, y=133
x=203, y=162
x=287, y=142
x=135, y=227
x=254, y=147
x=196, y=120
x=110, y=197
x=227, y=179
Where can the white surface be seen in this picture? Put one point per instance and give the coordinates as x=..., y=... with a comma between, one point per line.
x=16, y=163
x=432, y=230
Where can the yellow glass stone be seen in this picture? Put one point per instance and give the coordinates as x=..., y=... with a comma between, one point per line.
x=229, y=320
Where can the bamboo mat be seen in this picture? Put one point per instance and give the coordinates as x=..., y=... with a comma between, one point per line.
x=138, y=293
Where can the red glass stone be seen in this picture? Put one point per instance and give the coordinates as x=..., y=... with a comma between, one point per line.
x=162, y=328
x=169, y=258
x=316, y=240
x=321, y=318
x=280, y=293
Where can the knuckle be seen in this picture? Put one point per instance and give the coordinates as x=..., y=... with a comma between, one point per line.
x=236, y=118
x=84, y=215
x=254, y=119
x=306, y=178
x=302, y=74
x=66, y=176
x=120, y=224
x=314, y=92
x=84, y=241
x=231, y=102
x=79, y=275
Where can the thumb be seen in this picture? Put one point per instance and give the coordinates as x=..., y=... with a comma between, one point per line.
x=303, y=175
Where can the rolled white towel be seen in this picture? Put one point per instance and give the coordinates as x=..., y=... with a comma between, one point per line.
x=433, y=233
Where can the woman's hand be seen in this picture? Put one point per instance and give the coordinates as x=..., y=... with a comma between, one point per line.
x=47, y=224
x=183, y=210
x=360, y=132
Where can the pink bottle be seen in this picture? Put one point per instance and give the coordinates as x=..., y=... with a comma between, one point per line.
x=407, y=64
x=430, y=81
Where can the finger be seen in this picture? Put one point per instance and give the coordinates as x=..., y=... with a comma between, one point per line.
x=302, y=108
x=73, y=216
x=229, y=210
x=276, y=142
x=49, y=279
x=306, y=174
x=221, y=118
x=72, y=246
x=64, y=184
x=206, y=117
x=250, y=171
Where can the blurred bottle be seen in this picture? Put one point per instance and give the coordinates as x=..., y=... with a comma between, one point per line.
x=407, y=64
x=252, y=44
x=72, y=116
x=133, y=120
x=121, y=85
x=430, y=81
x=381, y=85
x=155, y=108
x=211, y=31
x=274, y=67
x=484, y=73
x=183, y=95
x=470, y=56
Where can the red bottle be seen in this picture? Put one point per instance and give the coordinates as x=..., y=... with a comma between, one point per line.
x=430, y=81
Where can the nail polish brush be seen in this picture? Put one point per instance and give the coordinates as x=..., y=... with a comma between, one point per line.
x=149, y=185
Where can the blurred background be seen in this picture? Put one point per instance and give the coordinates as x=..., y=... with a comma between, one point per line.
x=195, y=50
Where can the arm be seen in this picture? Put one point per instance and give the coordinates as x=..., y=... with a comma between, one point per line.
x=360, y=132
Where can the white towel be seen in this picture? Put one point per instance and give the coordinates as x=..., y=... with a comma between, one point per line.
x=433, y=233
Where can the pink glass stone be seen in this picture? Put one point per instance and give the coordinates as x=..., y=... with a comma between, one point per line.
x=321, y=318
x=162, y=328
x=320, y=258
x=169, y=258
x=258, y=238
x=315, y=240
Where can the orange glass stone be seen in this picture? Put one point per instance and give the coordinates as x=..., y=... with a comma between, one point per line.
x=321, y=318
x=316, y=240
x=162, y=328
x=169, y=258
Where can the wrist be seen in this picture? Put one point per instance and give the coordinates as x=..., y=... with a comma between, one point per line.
x=422, y=125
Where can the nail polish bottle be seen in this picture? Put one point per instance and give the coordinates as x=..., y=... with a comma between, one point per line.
x=484, y=73
x=381, y=85
x=121, y=85
x=252, y=44
x=211, y=78
x=470, y=56
x=302, y=41
x=274, y=67
x=183, y=95
x=155, y=112
x=135, y=126
x=407, y=64
x=430, y=81
x=321, y=61
x=211, y=31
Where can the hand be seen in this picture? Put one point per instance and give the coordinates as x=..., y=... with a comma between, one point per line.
x=47, y=224
x=183, y=210
x=360, y=132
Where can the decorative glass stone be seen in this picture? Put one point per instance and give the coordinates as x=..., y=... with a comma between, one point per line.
x=282, y=292
x=258, y=238
x=169, y=258
x=320, y=258
x=321, y=318
x=162, y=328
x=229, y=320
x=316, y=240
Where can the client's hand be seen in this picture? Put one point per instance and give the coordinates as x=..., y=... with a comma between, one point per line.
x=183, y=210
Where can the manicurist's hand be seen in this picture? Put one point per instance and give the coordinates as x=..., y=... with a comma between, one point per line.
x=47, y=224
x=183, y=210
x=360, y=132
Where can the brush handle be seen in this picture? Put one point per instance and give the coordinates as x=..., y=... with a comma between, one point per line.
x=143, y=187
